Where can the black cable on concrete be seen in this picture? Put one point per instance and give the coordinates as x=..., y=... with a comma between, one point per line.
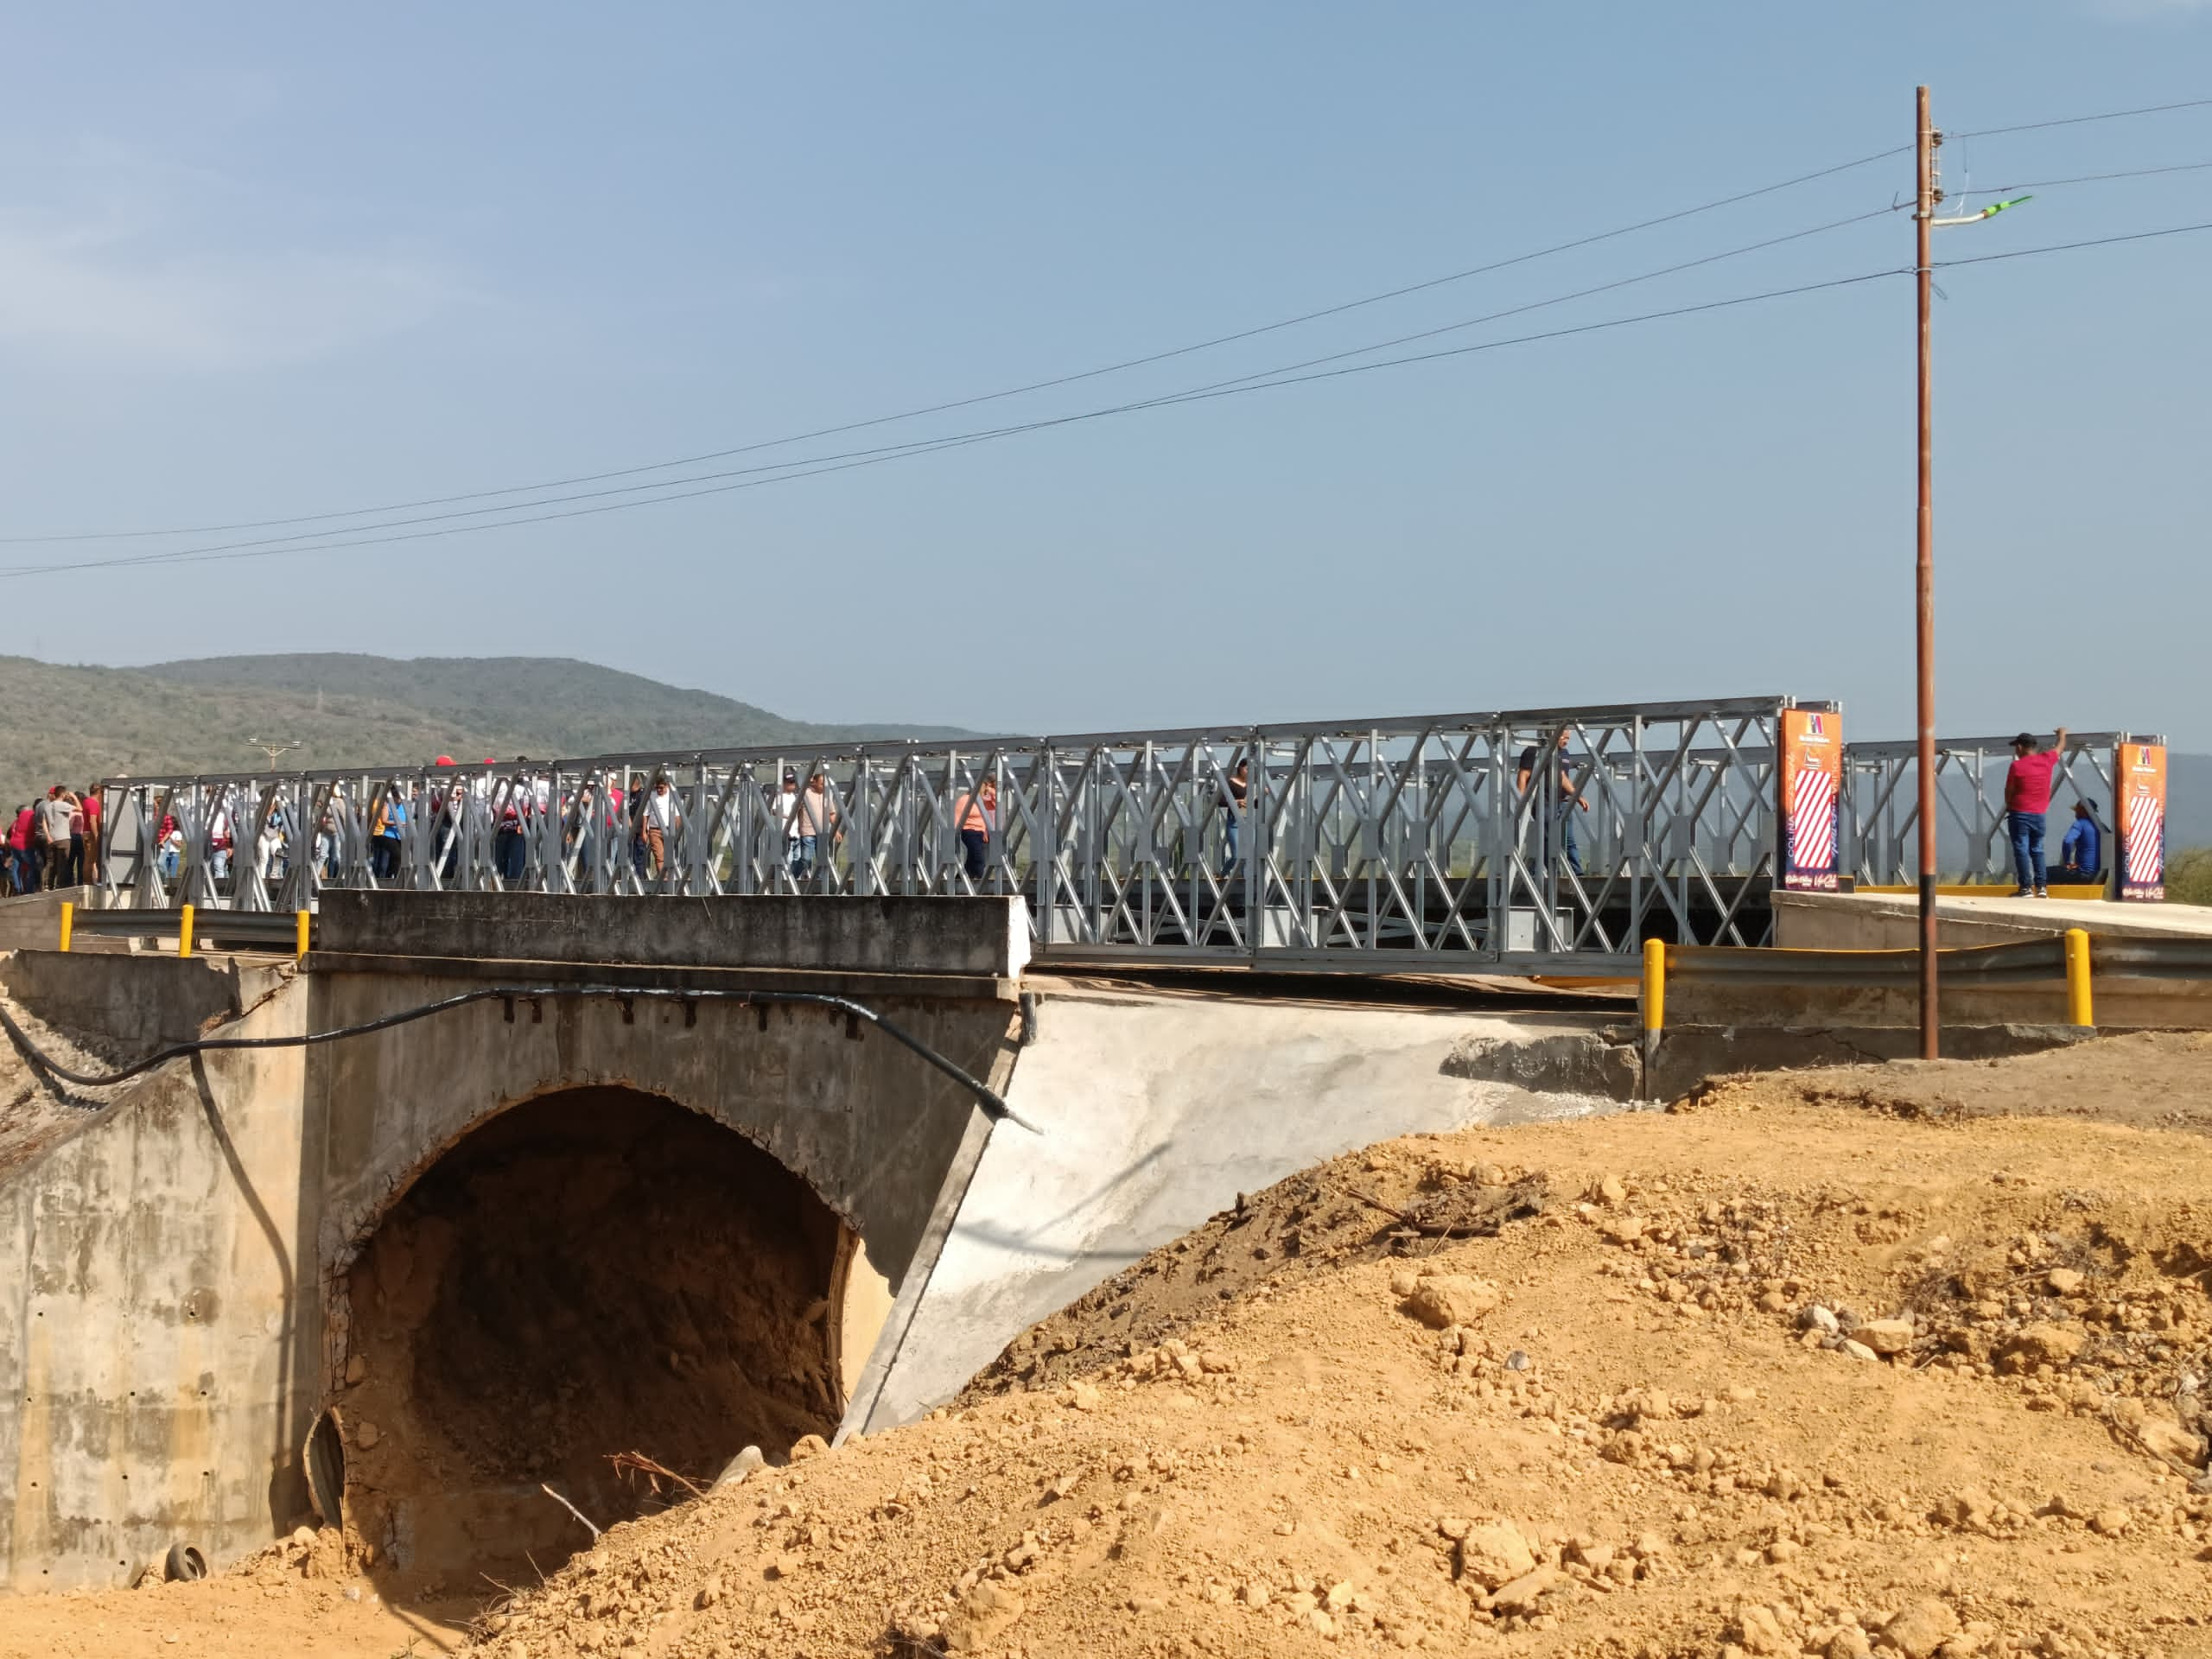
x=994, y=1104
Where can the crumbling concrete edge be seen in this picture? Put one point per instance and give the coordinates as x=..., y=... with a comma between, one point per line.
x=952, y=1193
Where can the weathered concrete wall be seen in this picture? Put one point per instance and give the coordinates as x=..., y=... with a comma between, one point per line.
x=787, y=931
x=32, y=921
x=156, y=1346
x=2120, y=1004
x=867, y=1124
x=171, y=1304
x=1157, y=1113
x=137, y=1004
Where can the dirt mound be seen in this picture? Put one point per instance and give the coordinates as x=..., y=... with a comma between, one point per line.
x=1781, y=1379
x=2151, y=1079
x=1315, y=1221
x=1759, y=1377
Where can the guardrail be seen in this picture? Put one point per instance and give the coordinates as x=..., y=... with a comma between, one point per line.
x=192, y=928
x=1407, y=845
x=2131, y=970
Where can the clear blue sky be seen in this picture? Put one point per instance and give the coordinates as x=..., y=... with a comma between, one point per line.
x=257, y=261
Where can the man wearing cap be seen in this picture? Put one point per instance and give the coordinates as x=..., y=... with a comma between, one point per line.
x=2027, y=798
x=2082, y=854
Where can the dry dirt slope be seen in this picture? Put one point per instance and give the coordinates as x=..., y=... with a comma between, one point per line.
x=1621, y=1426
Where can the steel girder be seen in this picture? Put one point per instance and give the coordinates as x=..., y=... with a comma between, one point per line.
x=1406, y=845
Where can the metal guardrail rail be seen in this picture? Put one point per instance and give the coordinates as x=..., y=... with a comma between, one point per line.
x=2023, y=962
x=213, y=928
x=1403, y=845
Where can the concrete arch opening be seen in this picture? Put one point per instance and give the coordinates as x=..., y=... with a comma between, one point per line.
x=593, y=1272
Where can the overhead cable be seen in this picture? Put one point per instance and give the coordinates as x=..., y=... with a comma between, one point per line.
x=186, y=555
x=2082, y=120
x=2068, y=247
x=961, y=440
x=1242, y=385
x=1253, y=333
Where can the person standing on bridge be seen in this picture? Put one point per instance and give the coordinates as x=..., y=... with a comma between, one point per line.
x=664, y=814
x=387, y=828
x=816, y=817
x=18, y=864
x=786, y=810
x=1567, y=798
x=975, y=813
x=88, y=868
x=55, y=813
x=1235, y=789
x=2027, y=798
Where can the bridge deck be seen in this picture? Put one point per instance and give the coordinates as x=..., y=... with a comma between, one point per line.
x=1884, y=921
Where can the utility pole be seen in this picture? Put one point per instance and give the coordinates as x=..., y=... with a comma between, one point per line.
x=1925, y=142
x=272, y=750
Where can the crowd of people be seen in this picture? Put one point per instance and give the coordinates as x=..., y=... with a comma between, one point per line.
x=411, y=823
x=53, y=842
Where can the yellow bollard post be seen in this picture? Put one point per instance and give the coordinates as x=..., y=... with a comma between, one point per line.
x=2079, y=1011
x=184, y=932
x=1655, y=1006
x=304, y=922
x=68, y=922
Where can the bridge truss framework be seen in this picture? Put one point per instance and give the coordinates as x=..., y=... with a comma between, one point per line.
x=1404, y=845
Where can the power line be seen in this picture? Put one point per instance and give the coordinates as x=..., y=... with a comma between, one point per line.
x=892, y=450
x=2093, y=178
x=1128, y=363
x=2081, y=120
x=932, y=445
x=794, y=470
x=989, y=397
x=2068, y=247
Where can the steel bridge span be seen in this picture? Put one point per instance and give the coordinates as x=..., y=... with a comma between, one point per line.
x=1420, y=844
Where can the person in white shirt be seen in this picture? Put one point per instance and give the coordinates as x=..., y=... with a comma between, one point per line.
x=663, y=815
x=787, y=810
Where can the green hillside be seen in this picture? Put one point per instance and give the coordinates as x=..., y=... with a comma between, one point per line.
x=72, y=725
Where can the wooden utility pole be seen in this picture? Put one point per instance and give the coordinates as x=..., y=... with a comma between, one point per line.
x=1925, y=142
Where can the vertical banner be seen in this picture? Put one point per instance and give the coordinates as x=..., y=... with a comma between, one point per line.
x=2141, y=782
x=1812, y=787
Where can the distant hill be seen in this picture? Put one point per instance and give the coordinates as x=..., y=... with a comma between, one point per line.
x=2188, y=801
x=72, y=725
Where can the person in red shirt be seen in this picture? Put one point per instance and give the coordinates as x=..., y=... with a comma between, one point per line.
x=90, y=869
x=2027, y=797
x=19, y=867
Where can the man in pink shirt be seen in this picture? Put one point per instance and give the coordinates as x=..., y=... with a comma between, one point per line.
x=2027, y=797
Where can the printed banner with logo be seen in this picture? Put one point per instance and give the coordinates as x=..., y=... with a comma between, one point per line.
x=1812, y=789
x=2141, y=782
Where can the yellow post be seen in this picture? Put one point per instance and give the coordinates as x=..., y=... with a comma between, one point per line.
x=1655, y=1007
x=184, y=932
x=2078, y=1009
x=68, y=922
x=304, y=918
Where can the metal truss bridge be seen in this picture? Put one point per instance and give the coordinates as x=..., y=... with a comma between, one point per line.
x=1411, y=845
